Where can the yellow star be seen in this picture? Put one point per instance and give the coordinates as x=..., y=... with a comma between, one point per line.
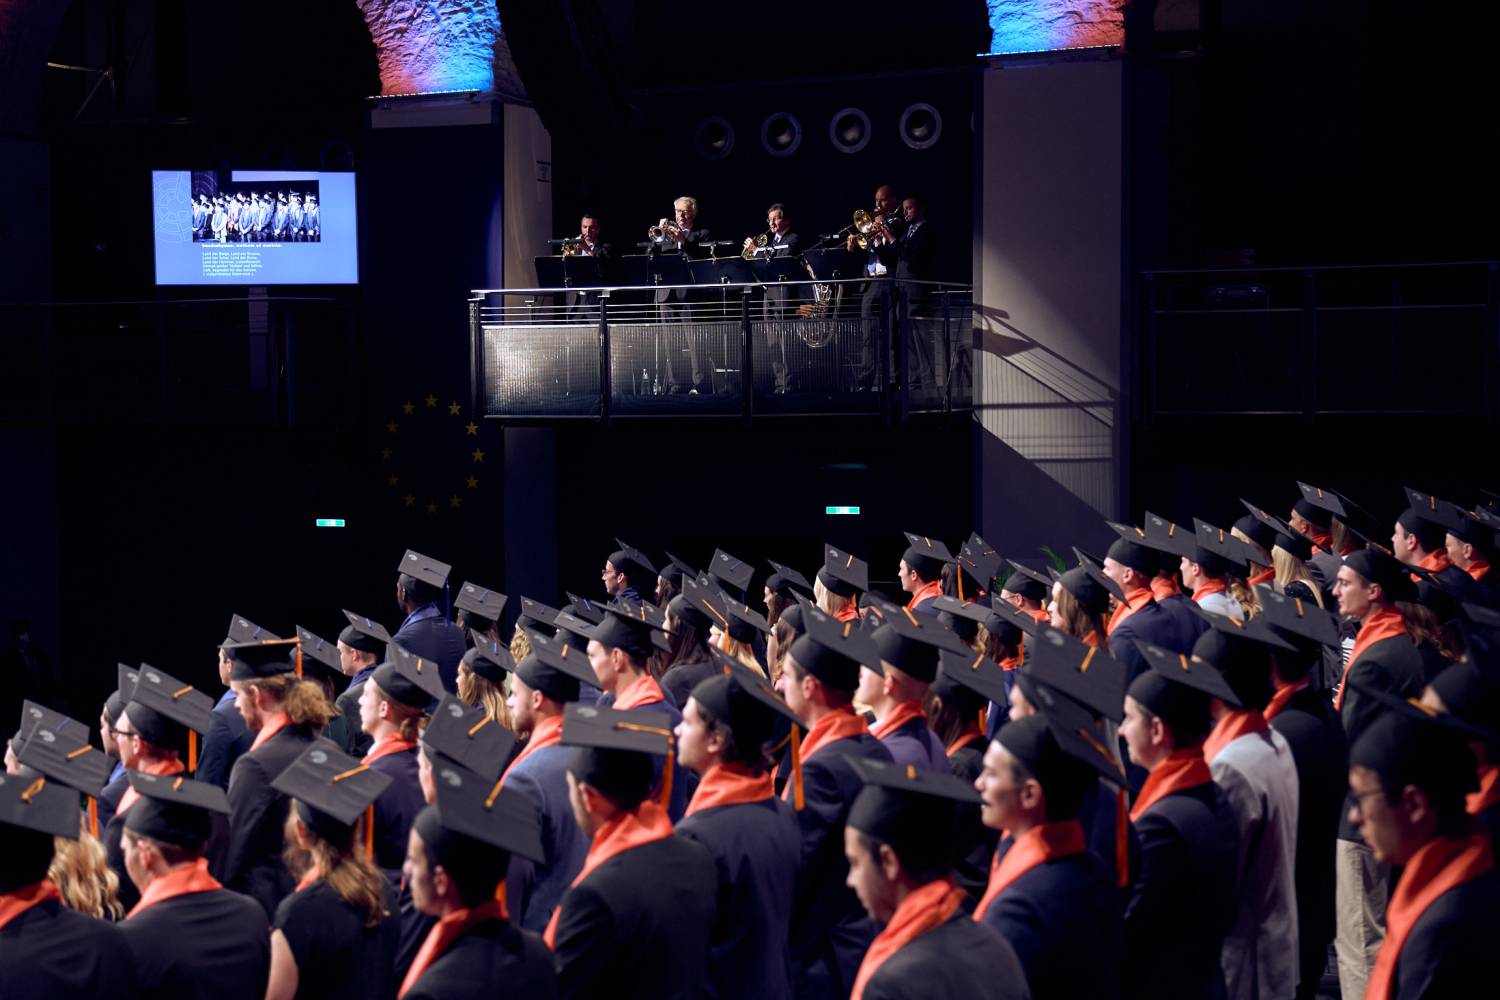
x=473, y=483
x=385, y=453
x=409, y=500
x=431, y=401
x=408, y=407
x=431, y=507
x=471, y=428
x=453, y=409
x=478, y=454
x=391, y=479
x=455, y=502
x=390, y=427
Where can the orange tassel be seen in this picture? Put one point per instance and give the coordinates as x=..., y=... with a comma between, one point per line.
x=500, y=898
x=299, y=661
x=958, y=571
x=370, y=831
x=984, y=719
x=1122, y=836
x=193, y=751
x=797, y=800
x=94, y=817
x=666, y=778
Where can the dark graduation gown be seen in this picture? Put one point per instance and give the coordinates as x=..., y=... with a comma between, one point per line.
x=957, y=959
x=1312, y=729
x=201, y=946
x=638, y=926
x=916, y=744
x=52, y=953
x=1181, y=609
x=226, y=741
x=830, y=929
x=752, y=845
x=109, y=799
x=338, y=957
x=976, y=842
x=357, y=741
x=1063, y=920
x=1183, y=899
x=1097, y=814
x=429, y=635
x=396, y=809
x=683, y=780
x=1392, y=665
x=493, y=959
x=1150, y=624
x=257, y=820
x=543, y=777
x=679, y=681
x=1451, y=950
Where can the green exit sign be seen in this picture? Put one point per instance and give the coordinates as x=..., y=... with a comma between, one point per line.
x=844, y=509
x=329, y=522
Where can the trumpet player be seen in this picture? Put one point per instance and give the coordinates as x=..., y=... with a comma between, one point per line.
x=679, y=233
x=583, y=305
x=588, y=238
x=779, y=299
x=879, y=263
x=780, y=240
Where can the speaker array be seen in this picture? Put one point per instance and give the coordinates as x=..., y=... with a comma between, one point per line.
x=920, y=126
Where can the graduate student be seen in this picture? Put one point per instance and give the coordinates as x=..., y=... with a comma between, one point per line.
x=392, y=704
x=921, y=571
x=457, y=857
x=638, y=919
x=335, y=936
x=421, y=586
x=192, y=938
x=964, y=688
x=361, y=646
x=899, y=843
x=837, y=586
x=727, y=724
x=895, y=685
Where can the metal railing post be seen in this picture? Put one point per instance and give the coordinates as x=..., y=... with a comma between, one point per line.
x=605, y=376
x=747, y=376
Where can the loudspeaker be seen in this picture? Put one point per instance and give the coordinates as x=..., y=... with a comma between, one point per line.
x=849, y=130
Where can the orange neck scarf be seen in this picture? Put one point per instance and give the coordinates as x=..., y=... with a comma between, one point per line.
x=900, y=716
x=1489, y=790
x=178, y=882
x=642, y=691
x=1230, y=728
x=1441, y=864
x=1208, y=587
x=390, y=743
x=1478, y=568
x=270, y=727
x=1037, y=846
x=1282, y=697
x=1092, y=639
x=847, y=613
x=1040, y=614
x=839, y=724
x=970, y=734
x=1320, y=537
x=1264, y=576
x=1182, y=770
x=445, y=933
x=922, y=910
x=925, y=593
x=1010, y=663
x=1435, y=562
x=160, y=768
x=547, y=733
x=625, y=832
x=1383, y=624
x=13, y=904
x=1135, y=599
x=1163, y=587
x=730, y=785
x=309, y=879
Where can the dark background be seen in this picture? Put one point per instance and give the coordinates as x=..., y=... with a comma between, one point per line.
x=165, y=460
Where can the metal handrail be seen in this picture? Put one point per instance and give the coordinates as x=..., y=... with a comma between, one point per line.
x=954, y=285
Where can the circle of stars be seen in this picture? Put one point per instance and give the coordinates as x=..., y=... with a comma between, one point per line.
x=408, y=499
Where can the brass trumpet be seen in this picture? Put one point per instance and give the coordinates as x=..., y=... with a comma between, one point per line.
x=573, y=247
x=868, y=228
x=667, y=232
x=761, y=242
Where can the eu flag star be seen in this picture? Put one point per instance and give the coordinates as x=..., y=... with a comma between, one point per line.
x=478, y=454
x=473, y=483
x=471, y=428
x=409, y=500
x=431, y=507
x=408, y=407
x=453, y=409
x=431, y=401
x=391, y=479
x=390, y=427
x=455, y=502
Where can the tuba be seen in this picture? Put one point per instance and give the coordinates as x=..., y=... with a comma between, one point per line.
x=761, y=242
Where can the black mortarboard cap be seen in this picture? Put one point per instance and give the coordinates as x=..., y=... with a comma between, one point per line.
x=1262, y=536
x=334, y=787
x=252, y=661
x=744, y=701
x=979, y=561
x=676, y=569
x=843, y=573
x=633, y=563
x=637, y=731
x=1298, y=619
x=489, y=658
x=536, y=614
x=570, y=626
x=1217, y=551
x=1186, y=671
x=1087, y=674
x=1284, y=535
x=1472, y=693
x=911, y=644
x=469, y=736
x=1089, y=586
x=164, y=699
x=971, y=679
x=1378, y=566
x=174, y=809
x=745, y=622
x=793, y=616
x=318, y=648
x=1029, y=583
x=1321, y=500
x=33, y=714
x=926, y=555
x=907, y=806
x=633, y=626
x=242, y=629
x=364, y=634
x=39, y=805
x=786, y=581
x=734, y=574
x=1032, y=741
x=581, y=607
x=556, y=666
x=1416, y=744
x=1134, y=553
x=960, y=617
x=487, y=604
x=425, y=568
x=473, y=816
x=409, y=679
x=831, y=650
x=65, y=758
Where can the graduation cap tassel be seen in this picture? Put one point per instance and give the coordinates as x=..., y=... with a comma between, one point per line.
x=984, y=719
x=666, y=776
x=958, y=572
x=797, y=768
x=500, y=898
x=299, y=661
x=1122, y=836
x=94, y=817
x=370, y=831
x=193, y=750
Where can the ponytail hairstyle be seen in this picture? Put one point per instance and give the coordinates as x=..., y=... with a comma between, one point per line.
x=481, y=692
x=1241, y=592
x=341, y=864
x=302, y=700
x=408, y=720
x=82, y=873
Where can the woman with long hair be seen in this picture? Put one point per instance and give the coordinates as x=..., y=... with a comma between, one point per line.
x=481, y=681
x=788, y=626
x=336, y=935
x=1080, y=607
x=736, y=636
x=688, y=661
x=783, y=587
x=81, y=872
x=1290, y=551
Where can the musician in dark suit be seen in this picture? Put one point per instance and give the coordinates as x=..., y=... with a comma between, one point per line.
x=581, y=305
x=680, y=235
x=880, y=263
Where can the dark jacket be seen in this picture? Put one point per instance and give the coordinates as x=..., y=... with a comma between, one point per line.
x=493, y=959
x=201, y=946
x=957, y=959
x=916, y=744
x=427, y=634
x=1450, y=951
x=257, y=819
x=51, y=953
x=543, y=777
x=1392, y=665
x=226, y=741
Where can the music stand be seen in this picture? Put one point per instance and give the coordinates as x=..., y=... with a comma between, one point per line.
x=833, y=263
x=581, y=271
x=550, y=272
x=783, y=268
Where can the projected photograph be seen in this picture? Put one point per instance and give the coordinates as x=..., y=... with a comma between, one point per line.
x=255, y=212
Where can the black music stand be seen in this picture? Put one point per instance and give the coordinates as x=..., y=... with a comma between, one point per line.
x=550, y=273
x=582, y=270
x=834, y=263
x=783, y=268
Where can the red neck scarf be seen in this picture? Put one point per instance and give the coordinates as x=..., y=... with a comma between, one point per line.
x=922, y=910
x=1264, y=576
x=1230, y=728
x=1040, y=614
x=1010, y=663
x=847, y=613
x=547, y=733
x=1383, y=624
x=1441, y=864
x=13, y=904
x=1163, y=587
x=1282, y=697
x=309, y=879
x=1036, y=846
x=270, y=727
x=1208, y=587
x=1092, y=639
x=970, y=734
x=900, y=716
x=1478, y=568
x=178, y=882
x=1489, y=790
x=445, y=933
x=627, y=831
x=390, y=743
x=1320, y=537
x=1182, y=770
x=925, y=593
x=839, y=724
x=160, y=768
x=642, y=691
x=730, y=785
x=1135, y=599
x=1434, y=562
